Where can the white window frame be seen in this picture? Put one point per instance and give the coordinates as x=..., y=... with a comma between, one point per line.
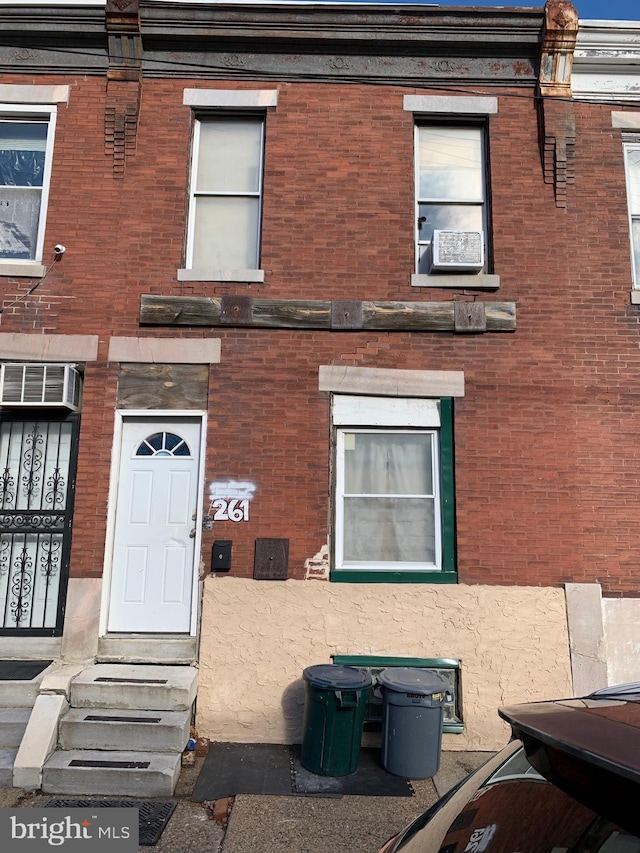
x=34, y=112
x=437, y=110
x=632, y=216
x=463, y=202
x=253, y=273
x=389, y=416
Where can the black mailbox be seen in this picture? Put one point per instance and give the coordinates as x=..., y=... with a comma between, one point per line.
x=221, y=555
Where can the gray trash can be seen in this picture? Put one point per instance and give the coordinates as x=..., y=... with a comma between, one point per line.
x=412, y=714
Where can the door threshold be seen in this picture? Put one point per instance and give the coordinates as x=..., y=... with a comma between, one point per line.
x=148, y=648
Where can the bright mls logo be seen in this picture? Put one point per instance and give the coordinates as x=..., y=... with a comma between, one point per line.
x=107, y=829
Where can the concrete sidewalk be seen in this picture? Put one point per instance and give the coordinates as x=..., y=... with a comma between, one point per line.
x=293, y=824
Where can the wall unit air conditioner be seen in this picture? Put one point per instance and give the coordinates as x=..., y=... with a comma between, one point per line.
x=40, y=386
x=457, y=251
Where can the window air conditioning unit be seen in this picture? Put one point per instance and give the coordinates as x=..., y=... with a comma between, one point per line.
x=40, y=386
x=457, y=251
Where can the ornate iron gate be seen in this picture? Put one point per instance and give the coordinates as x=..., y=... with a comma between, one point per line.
x=37, y=478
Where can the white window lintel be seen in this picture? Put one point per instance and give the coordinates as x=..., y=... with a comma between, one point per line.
x=450, y=104
x=230, y=98
x=628, y=121
x=387, y=382
x=16, y=94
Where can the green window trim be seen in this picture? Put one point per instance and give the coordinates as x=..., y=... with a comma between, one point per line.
x=381, y=576
x=448, y=573
x=382, y=661
x=447, y=484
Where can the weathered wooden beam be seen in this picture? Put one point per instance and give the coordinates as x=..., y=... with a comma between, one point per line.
x=317, y=314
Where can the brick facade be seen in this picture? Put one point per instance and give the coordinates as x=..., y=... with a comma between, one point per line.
x=546, y=454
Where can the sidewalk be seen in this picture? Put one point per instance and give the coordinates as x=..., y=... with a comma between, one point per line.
x=265, y=824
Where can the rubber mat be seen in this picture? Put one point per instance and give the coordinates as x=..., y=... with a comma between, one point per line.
x=154, y=814
x=266, y=768
x=21, y=670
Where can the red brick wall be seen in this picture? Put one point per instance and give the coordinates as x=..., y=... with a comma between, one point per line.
x=546, y=452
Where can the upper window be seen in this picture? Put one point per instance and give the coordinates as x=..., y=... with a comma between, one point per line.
x=632, y=163
x=393, y=489
x=451, y=218
x=26, y=145
x=226, y=194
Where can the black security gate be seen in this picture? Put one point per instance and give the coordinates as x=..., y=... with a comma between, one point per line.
x=38, y=459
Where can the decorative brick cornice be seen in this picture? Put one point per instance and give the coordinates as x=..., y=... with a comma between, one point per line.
x=557, y=118
x=124, y=79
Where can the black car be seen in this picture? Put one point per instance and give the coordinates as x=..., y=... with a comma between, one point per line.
x=568, y=782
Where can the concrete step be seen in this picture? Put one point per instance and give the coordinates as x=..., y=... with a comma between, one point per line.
x=13, y=722
x=123, y=774
x=148, y=649
x=7, y=760
x=135, y=686
x=19, y=694
x=117, y=729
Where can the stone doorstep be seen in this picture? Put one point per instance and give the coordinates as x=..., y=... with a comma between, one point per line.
x=135, y=687
x=13, y=722
x=147, y=650
x=117, y=729
x=157, y=779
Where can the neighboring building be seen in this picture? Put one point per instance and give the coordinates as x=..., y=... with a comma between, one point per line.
x=339, y=361
x=606, y=72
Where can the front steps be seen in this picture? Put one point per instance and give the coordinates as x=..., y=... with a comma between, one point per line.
x=17, y=698
x=125, y=731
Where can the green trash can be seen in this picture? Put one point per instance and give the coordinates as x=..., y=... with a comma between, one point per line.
x=412, y=715
x=334, y=706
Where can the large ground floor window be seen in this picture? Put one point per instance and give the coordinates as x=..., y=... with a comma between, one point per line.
x=393, y=489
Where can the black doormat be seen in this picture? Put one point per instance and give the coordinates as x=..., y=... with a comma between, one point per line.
x=21, y=670
x=268, y=768
x=154, y=814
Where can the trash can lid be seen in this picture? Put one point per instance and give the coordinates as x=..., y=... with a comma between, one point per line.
x=336, y=677
x=405, y=679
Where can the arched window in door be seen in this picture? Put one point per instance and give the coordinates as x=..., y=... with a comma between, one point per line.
x=163, y=444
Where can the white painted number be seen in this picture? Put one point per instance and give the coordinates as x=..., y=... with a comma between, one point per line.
x=233, y=510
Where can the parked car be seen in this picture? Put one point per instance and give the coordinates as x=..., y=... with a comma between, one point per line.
x=568, y=782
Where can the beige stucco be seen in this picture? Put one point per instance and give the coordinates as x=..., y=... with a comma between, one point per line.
x=258, y=636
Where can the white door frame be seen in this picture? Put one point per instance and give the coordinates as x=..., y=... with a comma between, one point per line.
x=151, y=415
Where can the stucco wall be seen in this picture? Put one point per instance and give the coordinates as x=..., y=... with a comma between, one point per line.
x=621, y=617
x=258, y=636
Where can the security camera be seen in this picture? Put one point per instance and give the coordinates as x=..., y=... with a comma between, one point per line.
x=59, y=249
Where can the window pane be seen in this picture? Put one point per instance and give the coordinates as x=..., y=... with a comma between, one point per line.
x=388, y=464
x=22, y=152
x=389, y=530
x=226, y=233
x=633, y=173
x=19, y=217
x=450, y=163
x=460, y=217
x=229, y=157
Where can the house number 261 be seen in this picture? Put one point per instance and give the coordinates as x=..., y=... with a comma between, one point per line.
x=233, y=510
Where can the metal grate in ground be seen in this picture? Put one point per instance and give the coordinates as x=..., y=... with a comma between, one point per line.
x=154, y=814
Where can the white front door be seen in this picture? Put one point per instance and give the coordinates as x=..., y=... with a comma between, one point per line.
x=152, y=578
